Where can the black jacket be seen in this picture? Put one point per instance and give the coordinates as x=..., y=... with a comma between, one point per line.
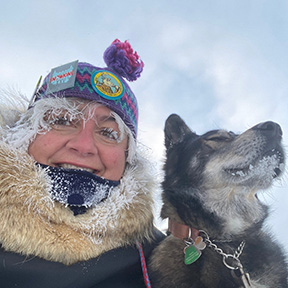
x=117, y=268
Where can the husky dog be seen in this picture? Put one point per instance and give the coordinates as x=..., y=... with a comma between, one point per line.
x=215, y=217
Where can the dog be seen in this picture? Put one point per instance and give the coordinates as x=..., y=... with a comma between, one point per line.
x=216, y=236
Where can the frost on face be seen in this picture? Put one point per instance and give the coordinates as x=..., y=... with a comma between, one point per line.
x=265, y=170
x=78, y=188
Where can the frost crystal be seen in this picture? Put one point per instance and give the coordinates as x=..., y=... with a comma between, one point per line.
x=79, y=188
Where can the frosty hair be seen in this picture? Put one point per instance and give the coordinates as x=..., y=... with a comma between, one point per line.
x=33, y=122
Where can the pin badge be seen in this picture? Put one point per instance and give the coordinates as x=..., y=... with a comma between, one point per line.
x=62, y=77
x=107, y=85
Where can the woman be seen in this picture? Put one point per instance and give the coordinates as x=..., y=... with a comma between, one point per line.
x=76, y=195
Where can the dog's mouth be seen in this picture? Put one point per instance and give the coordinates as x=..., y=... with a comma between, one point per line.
x=269, y=165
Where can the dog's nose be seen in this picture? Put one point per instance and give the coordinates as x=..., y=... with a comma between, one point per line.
x=270, y=128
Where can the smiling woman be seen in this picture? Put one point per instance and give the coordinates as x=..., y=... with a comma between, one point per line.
x=75, y=189
x=87, y=140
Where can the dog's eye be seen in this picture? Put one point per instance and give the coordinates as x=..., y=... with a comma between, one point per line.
x=218, y=138
x=223, y=136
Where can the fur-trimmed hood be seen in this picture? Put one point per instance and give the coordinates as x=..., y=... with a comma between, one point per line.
x=33, y=224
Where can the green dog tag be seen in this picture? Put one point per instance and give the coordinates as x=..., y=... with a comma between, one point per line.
x=191, y=254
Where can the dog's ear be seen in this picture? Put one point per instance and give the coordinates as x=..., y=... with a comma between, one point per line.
x=175, y=130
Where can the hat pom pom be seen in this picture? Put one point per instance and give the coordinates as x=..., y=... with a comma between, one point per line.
x=120, y=57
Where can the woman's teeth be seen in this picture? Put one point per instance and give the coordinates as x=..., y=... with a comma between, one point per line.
x=70, y=166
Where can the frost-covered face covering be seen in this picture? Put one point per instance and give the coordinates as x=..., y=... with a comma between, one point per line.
x=77, y=189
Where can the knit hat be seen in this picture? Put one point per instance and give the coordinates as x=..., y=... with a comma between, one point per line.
x=103, y=85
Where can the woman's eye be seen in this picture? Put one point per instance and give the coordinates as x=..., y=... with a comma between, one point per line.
x=110, y=134
x=61, y=121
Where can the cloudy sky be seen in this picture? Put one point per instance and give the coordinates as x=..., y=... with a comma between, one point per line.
x=218, y=64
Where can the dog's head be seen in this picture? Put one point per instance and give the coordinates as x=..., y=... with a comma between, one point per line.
x=212, y=179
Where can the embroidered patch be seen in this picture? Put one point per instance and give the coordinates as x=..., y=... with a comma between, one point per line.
x=62, y=77
x=107, y=85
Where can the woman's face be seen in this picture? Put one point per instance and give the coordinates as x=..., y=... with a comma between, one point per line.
x=93, y=144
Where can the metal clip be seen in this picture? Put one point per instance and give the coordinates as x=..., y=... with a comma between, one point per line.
x=243, y=278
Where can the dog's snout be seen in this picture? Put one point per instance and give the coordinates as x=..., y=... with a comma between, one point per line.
x=270, y=128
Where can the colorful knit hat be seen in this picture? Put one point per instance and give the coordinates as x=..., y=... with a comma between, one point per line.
x=103, y=85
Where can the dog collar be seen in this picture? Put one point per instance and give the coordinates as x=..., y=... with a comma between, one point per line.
x=182, y=231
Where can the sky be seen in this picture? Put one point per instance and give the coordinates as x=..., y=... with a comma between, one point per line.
x=218, y=64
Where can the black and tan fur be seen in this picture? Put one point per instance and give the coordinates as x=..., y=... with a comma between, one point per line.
x=211, y=184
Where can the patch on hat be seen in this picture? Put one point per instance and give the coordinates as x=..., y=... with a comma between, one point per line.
x=62, y=77
x=107, y=84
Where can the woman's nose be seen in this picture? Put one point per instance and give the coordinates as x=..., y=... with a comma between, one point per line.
x=83, y=140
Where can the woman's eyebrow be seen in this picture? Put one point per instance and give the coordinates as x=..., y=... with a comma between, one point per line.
x=105, y=118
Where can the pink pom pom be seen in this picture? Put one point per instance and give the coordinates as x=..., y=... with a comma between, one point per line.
x=121, y=57
x=129, y=53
